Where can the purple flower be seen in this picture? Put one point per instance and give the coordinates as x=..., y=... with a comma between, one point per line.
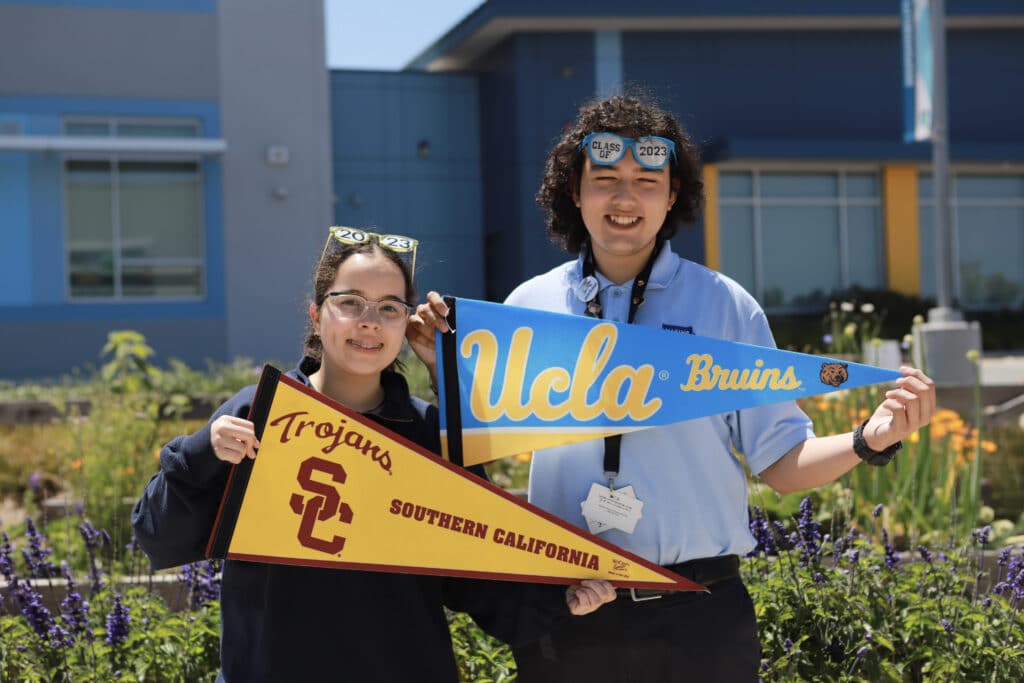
x=1004, y=556
x=981, y=535
x=34, y=482
x=924, y=553
x=783, y=540
x=118, y=620
x=877, y=511
x=891, y=558
x=74, y=609
x=36, y=554
x=808, y=532
x=827, y=339
x=6, y=563
x=787, y=645
x=761, y=530
x=863, y=650
x=818, y=578
x=38, y=617
x=947, y=626
x=93, y=539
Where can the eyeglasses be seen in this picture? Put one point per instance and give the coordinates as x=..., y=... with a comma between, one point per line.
x=651, y=151
x=355, y=307
x=396, y=243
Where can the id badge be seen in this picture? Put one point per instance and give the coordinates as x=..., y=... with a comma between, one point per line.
x=605, y=509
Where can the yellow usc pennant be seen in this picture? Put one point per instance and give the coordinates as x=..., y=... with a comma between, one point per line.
x=330, y=488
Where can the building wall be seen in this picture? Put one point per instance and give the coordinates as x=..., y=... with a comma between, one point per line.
x=538, y=82
x=210, y=62
x=274, y=92
x=827, y=97
x=80, y=49
x=406, y=160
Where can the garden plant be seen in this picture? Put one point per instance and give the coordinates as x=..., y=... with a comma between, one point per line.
x=892, y=574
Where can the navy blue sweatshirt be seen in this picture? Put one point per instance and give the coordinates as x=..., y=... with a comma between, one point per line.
x=285, y=623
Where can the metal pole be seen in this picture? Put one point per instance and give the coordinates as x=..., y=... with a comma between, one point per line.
x=940, y=172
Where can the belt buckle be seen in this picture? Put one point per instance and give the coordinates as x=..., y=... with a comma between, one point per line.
x=636, y=598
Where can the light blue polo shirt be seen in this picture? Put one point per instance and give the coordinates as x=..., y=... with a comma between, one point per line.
x=693, y=487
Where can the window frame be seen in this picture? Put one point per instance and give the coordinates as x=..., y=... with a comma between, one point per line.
x=928, y=203
x=114, y=159
x=841, y=202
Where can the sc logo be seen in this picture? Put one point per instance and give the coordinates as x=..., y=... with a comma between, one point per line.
x=324, y=504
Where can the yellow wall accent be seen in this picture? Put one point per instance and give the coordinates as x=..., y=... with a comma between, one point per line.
x=902, y=227
x=712, y=253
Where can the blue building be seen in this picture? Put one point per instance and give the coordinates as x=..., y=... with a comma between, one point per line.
x=148, y=182
x=147, y=186
x=796, y=106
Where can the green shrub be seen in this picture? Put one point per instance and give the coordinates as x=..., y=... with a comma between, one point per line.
x=839, y=607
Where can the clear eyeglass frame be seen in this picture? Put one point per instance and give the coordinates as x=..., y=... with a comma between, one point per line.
x=350, y=306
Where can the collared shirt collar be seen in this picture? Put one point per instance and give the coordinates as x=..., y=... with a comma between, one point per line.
x=666, y=265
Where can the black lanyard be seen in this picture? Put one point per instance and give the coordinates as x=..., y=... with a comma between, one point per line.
x=613, y=444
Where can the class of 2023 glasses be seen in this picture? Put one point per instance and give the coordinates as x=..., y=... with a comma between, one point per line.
x=651, y=151
x=340, y=234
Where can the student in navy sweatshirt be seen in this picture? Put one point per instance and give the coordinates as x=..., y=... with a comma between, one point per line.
x=282, y=622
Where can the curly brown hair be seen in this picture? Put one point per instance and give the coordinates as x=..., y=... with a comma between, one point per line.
x=630, y=116
x=326, y=269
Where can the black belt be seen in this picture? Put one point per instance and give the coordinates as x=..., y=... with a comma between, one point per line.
x=705, y=571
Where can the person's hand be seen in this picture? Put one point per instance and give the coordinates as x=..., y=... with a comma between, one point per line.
x=905, y=409
x=589, y=595
x=429, y=316
x=233, y=438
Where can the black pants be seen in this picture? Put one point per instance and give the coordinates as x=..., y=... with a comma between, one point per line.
x=682, y=637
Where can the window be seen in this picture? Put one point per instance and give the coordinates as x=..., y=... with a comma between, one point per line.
x=987, y=211
x=792, y=238
x=134, y=225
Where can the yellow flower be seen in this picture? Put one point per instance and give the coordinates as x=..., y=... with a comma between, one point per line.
x=76, y=464
x=989, y=446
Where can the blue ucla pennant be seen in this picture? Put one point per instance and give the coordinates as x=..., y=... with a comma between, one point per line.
x=517, y=380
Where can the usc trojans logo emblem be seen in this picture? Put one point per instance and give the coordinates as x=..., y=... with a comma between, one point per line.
x=324, y=504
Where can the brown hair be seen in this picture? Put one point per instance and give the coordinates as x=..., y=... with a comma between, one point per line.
x=326, y=270
x=630, y=116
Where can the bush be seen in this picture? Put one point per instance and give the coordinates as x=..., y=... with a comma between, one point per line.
x=101, y=633
x=839, y=607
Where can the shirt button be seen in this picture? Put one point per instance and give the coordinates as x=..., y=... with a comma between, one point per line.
x=616, y=292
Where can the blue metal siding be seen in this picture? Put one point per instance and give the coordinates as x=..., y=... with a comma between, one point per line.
x=43, y=295
x=986, y=87
x=381, y=178
x=16, y=229
x=834, y=94
x=47, y=349
x=773, y=85
x=499, y=89
x=537, y=82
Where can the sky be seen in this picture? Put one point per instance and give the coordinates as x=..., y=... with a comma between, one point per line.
x=387, y=34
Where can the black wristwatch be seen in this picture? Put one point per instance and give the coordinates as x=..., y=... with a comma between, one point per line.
x=869, y=455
